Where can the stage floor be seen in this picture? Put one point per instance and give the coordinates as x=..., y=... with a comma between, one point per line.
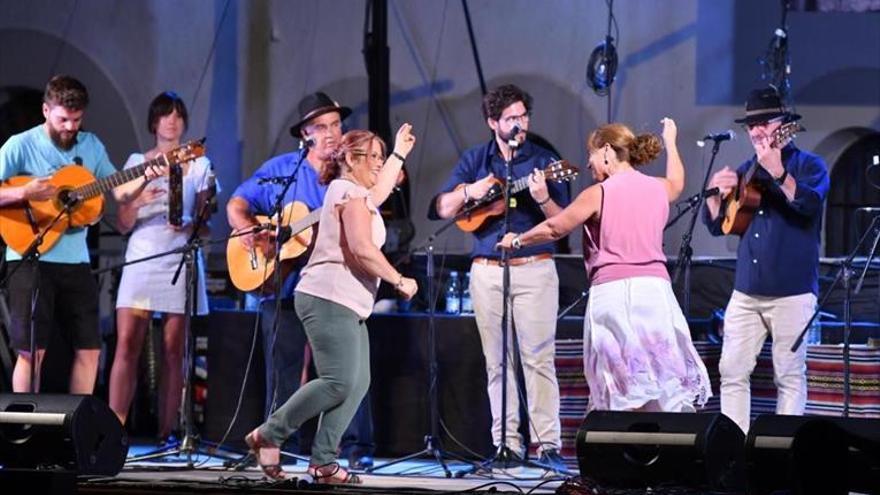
x=171, y=474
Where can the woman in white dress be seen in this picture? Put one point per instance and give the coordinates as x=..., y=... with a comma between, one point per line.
x=146, y=288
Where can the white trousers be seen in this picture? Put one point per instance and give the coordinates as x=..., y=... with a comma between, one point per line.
x=747, y=322
x=534, y=301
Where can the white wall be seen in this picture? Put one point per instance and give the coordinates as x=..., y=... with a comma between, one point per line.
x=687, y=59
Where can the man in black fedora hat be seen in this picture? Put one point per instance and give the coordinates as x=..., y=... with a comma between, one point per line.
x=777, y=268
x=319, y=128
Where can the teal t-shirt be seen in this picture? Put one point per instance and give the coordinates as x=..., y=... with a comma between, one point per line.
x=32, y=152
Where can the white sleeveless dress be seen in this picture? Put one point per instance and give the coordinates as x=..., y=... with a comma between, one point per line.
x=147, y=285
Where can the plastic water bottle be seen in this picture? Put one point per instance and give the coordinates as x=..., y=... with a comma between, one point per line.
x=467, y=306
x=814, y=334
x=453, y=294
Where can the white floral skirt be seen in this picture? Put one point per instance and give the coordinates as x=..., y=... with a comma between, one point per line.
x=638, y=352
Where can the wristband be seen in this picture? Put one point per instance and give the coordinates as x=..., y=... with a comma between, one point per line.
x=399, y=283
x=398, y=156
x=542, y=203
x=467, y=197
x=782, y=177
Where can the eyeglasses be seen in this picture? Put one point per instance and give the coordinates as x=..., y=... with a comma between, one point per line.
x=375, y=156
x=749, y=127
x=511, y=119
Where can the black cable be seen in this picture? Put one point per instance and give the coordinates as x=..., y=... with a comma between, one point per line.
x=776, y=61
x=603, y=61
x=210, y=54
x=474, y=50
x=61, y=41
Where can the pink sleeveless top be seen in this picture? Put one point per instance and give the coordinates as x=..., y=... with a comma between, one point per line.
x=627, y=241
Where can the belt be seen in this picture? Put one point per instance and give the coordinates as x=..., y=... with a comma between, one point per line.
x=522, y=260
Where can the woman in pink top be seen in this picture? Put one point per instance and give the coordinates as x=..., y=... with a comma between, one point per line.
x=638, y=354
x=334, y=297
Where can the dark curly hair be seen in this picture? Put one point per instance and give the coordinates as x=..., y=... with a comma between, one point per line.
x=637, y=150
x=163, y=105
x=502, y=97
x=67, y=92
x=353, y=142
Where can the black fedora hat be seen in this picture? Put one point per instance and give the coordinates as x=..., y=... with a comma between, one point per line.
x=765, y=105
x=315, y=105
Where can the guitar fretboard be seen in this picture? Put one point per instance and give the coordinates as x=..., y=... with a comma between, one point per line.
x=305, y=222
x=100, y=186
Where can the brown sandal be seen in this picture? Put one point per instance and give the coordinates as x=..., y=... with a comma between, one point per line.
x=259, y=446
x=332, y=474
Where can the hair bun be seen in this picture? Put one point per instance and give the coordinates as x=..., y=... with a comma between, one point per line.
x=644, y=149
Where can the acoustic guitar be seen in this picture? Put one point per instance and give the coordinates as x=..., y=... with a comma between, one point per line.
x=493, y=203
x=252, y=269
x=740, y=204
x=79, y=201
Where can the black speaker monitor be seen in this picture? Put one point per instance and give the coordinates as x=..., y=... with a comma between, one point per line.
x=73, y=433
x=634, y=449
x=812, y=454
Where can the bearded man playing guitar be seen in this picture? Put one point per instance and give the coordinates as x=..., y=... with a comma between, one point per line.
x=67, y=292
x=534, y=284
x=777, y=269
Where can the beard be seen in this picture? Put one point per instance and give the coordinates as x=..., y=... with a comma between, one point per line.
x=62, y=139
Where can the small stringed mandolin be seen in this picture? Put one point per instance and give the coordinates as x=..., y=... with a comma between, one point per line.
x=559, y=171
x=739, y=205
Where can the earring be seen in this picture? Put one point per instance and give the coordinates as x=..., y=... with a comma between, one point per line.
x=606, y=157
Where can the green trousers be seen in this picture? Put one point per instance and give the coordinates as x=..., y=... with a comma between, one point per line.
x=341, y=351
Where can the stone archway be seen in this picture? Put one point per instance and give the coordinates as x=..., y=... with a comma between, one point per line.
x=848, y=153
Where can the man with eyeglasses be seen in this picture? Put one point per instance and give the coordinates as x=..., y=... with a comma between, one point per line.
x=534, y=284
x=777, y=268
x=320, y=129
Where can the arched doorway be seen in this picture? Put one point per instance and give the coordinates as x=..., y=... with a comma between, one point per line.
x=23, y=75
x=849, y=153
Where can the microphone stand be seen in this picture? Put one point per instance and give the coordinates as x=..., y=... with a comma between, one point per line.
x=686, y=252
x=32, y=255
x=504, y=455
x=845, y=274
x=189, y=445
x=279, y=241
x=433, y=445
x=571, y=306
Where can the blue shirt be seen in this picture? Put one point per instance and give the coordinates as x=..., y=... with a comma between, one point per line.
x=32, y=152
x=261, y=198
x=778, y=255
x=525, y=213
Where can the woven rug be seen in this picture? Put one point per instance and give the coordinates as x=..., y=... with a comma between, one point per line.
x=825, y=384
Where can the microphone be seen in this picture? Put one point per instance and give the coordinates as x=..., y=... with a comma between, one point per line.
x=282, y=180
x=77, y=160
x=701, y=195
x=307, y=142
x=712, y=191
x=511, y=137
x=253, y=257
x=727, y=135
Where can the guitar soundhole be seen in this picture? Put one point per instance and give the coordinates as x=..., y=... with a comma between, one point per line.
x=68, y=198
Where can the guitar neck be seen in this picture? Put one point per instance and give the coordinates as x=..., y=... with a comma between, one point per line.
x=305, y=222
x=100, y=186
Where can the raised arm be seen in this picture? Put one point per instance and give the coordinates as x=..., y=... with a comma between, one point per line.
x=403, y=144
x=674, y=179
